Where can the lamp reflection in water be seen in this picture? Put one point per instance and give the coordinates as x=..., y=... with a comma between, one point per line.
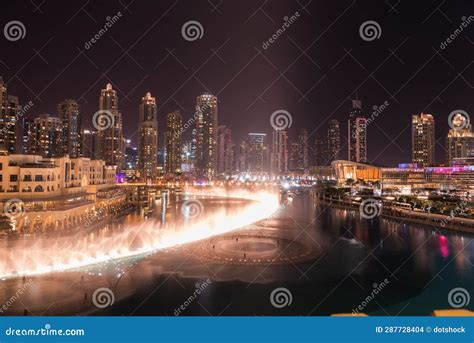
x=45, y=255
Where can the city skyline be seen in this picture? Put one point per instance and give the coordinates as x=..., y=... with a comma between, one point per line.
x=419, y=78
x=68, y=125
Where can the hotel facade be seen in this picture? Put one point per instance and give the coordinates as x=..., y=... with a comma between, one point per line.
x=56, y=193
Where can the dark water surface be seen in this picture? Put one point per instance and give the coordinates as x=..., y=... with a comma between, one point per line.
x=329, y=259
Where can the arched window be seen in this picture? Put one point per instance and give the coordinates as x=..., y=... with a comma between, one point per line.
x=39, y=189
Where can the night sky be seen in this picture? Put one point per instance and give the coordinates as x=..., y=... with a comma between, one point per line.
x=312, y=70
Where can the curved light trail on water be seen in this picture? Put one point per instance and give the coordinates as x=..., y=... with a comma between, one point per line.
x=45, y=255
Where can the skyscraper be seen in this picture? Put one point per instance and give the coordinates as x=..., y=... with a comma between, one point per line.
x=173, y=142
x=206, y=135
x=243, y=162
x=90, y=144
x=46, y=137
x=9, y=107
x=225, y=150
x=147, y=137
x=68, y=112
x=460, y=143
x=256, y=152
x=110, y=138
x=27, y=125
x=294, y=153
x=302, y=160
x=279, y=163
x=333, y=141
x=357, y=133
x=319, y=152
x=423, y=139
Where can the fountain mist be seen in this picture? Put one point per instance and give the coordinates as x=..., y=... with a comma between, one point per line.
x=45, y=255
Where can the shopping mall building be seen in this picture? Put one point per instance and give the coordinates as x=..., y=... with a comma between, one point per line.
x=407, y=177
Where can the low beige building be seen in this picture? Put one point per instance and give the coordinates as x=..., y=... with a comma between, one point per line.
x=54, y=193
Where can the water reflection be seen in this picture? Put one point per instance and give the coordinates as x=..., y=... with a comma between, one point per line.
x=133, y=236
x=422, y=264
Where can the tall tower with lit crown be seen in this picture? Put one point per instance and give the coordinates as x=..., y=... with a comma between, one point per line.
x=460, y=142
x=357, y=133
x=110, y=138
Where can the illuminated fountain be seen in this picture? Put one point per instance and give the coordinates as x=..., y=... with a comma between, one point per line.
x=31, y=256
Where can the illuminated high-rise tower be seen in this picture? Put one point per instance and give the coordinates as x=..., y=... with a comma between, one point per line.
x=206, y=136
x=279, y=157
x=68, y=112
x=173, y=142
x=110, y=136
x=89, y=144
x=319, y=152
x=46, y=139
x=225, y=150
x=460, y=142
x=9, y=107
x=302, y=159
x=147, y=137
x=423, y=139
x=293, y=158
x=256, y=152
x=333, y=141
x=243, y=162
x=357, y=133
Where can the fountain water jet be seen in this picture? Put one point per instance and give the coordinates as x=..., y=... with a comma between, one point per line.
x=44, y=255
